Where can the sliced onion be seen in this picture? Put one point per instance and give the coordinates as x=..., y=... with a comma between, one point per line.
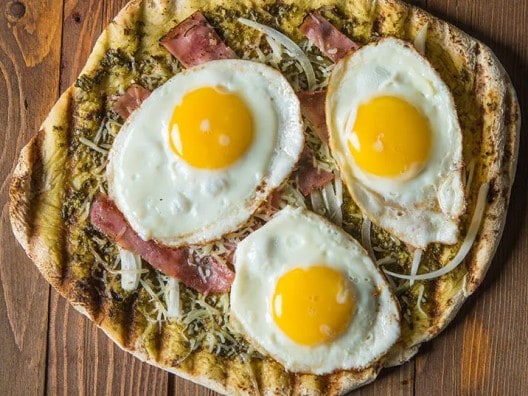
x=417, y=257
x=419, y=40
x=276, y=49
x=330, y=200
x=289, y=44
x=130, y=269
x=172, y=298
x=464, y=248
x=317, y=202
x=338, y=187
x=365, y=237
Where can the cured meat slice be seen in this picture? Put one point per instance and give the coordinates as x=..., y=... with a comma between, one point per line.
x=193, y=42
x=313, y=108
x=311, y=178
x=326, y=37
x=179, y=263
x=130, y=100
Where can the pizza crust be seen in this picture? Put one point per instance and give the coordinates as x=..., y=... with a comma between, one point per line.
x=39, y=183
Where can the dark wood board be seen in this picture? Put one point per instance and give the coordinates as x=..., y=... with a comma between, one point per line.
x=46, y=347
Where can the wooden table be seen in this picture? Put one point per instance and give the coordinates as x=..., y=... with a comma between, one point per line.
x=47, y=347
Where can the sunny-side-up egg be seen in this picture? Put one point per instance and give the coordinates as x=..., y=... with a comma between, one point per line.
x=204, y=151
x=395, y=135
x=307, y=294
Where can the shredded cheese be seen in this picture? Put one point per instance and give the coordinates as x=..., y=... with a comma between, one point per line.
x=92, y=145
x=419, y=299
x=206, y=318
x=154, y=298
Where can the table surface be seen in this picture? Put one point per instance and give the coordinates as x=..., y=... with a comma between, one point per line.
x=47, y=347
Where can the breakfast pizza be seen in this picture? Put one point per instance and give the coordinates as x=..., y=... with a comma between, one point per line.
x=272, y=197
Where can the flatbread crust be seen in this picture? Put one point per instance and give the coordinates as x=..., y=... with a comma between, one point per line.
x=489, y=114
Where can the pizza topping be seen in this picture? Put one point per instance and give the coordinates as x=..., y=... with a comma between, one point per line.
x=366, y=226
x=328, y=200
x=419, y=40
x=313, y=108
x=311, y=178
x=326, y=37
x=93, y=146
x=216, y=277
x=130, y=100
x=291, y=47
x=130, y=269
x=419, y=299
x=172, y=298
x=417, y=257
x=172, y=301
x=193, y=42
x=464, y=248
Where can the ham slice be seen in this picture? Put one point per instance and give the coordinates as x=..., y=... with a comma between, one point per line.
x=176, y=262
x=130, y=100
x=334, y=45
x=193, y=42
x=326, y=37
x=309, y=177
x=313, y=108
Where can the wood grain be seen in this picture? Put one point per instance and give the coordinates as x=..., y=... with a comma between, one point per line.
x=484, y=351
x=81, y=358
x=29, y=69
x=48, y=348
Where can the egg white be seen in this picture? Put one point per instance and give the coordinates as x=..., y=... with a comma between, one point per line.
x=426, y=207
x=298, y=238
x=166, y=199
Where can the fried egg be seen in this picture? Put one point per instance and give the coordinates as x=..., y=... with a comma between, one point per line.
x=395, y=135
x=204, y=151
x=307, y=294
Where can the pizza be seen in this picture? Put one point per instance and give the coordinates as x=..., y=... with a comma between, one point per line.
x=201, y=255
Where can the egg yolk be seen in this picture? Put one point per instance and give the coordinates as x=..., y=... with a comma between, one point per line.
x=210, y=128
x=313, y=305
x=390, y=138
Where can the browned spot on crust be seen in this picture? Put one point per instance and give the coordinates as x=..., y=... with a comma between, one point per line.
x=36, y=183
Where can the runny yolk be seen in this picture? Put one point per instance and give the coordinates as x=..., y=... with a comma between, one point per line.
x=313, y=305
x=390, y=138
x=210, y=129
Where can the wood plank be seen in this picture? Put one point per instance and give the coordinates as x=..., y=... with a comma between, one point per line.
x=484, y=351
x=30, y=34
x=81, y=358
x=179, y=386
x=394, y=381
